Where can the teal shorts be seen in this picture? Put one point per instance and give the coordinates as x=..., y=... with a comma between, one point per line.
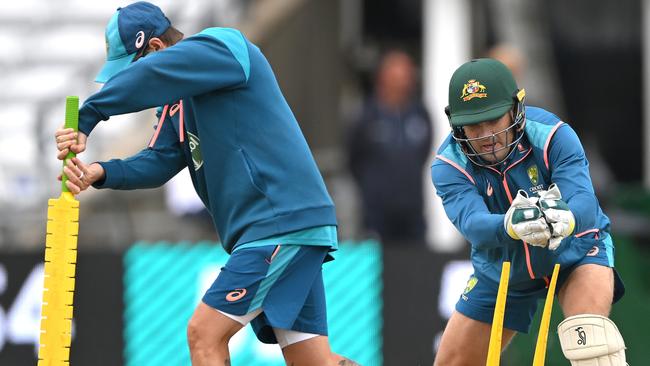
x=285, y=281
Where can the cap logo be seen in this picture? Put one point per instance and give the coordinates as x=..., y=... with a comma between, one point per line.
x=473, y=89
x=139, y=39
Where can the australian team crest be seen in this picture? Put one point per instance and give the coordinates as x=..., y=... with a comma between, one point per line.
x=473, y=89
x=470, y=285
x=533, y=175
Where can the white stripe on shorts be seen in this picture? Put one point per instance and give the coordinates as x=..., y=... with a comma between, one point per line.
x=243, y=319
x=288, y=337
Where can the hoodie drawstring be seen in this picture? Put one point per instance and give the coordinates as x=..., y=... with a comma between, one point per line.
x=181, y=123
x=159, y=127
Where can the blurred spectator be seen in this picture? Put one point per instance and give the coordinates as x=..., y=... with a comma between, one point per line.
x=602, y=175
x=388, y=147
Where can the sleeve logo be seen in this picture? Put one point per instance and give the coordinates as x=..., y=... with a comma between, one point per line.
x=195, y=150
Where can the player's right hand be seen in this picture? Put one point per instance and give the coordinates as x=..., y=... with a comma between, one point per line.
x=524, y=221
x=68, y=140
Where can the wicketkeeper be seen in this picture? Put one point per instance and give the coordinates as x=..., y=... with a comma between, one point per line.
x=515, y=182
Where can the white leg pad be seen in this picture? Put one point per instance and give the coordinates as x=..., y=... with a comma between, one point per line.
x=287, y=337
x=591, y=340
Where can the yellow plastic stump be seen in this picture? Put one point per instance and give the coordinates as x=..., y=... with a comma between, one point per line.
x=60, y=263
x=542, y=336
x=494, y=350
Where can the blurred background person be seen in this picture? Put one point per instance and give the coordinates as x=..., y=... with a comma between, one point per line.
x=388, y=147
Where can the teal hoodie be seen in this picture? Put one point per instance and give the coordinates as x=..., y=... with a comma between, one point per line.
x=224, y=117
x=476, y=199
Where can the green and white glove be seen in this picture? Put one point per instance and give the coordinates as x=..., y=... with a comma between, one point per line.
x=557, y=214
x=524, y=221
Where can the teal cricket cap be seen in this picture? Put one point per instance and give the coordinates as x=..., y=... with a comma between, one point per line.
x=128, y=32
x=480, y=90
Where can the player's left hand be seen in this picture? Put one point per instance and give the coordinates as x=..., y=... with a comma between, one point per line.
x=558, y=215
x=81, y=176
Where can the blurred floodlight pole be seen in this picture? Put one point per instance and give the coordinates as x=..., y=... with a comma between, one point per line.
x=447, y=44
x=645, y=36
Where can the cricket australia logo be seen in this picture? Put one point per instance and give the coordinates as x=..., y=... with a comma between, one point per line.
x=195, y=150
x=470, y=285
x=533, y=176
x=473, y=89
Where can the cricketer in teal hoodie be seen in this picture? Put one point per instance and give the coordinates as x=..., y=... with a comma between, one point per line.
x=223, y=115
x=476, y=199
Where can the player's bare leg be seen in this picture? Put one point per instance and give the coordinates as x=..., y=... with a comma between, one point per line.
x=465, y=342
x=208, y=334
x=314, y=351
x=588, y=290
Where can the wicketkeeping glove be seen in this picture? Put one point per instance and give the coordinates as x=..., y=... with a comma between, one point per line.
x=524, y=221
x=557, y=214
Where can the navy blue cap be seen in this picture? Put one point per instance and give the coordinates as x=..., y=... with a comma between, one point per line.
x=127, y=33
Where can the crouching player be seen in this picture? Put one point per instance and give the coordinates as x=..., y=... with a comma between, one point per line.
x=515, y=182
